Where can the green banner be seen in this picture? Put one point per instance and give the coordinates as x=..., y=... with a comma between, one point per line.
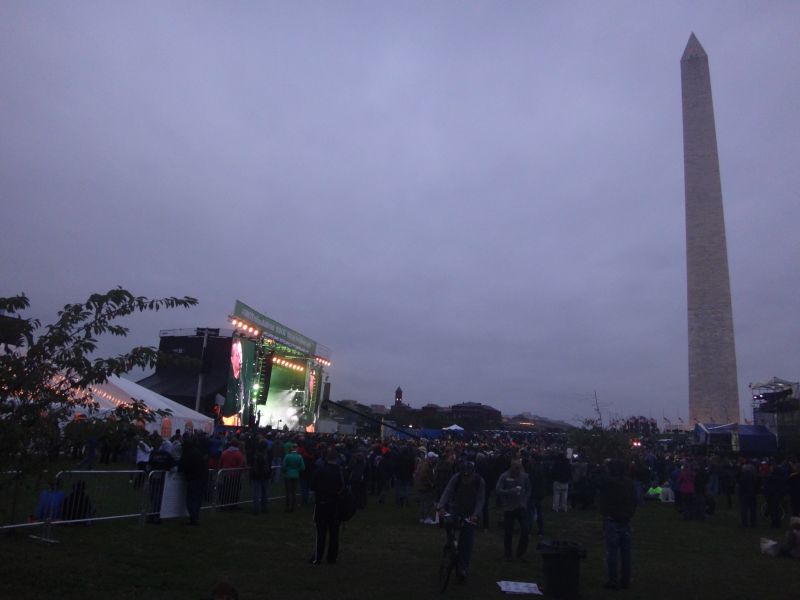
x=272, y=328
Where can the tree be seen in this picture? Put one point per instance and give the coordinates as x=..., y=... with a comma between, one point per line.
x=598, y=443
x=47, y=372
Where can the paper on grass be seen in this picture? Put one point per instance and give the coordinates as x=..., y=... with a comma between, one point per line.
x=519, y=587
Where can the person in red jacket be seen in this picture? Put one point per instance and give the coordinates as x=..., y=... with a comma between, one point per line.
x=232, y=464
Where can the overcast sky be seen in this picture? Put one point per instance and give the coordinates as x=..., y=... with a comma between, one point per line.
x=477, y=201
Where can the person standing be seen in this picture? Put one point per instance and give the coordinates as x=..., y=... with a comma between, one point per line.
x=232, y=462
x=356, y=477
x=463, y=499
x=562, y=473
x=404, y=476
x=793, y=489
x=747, y=484
x=687, y=490
x=260, y=472
x=160, y=463
x=327, y=484
x=424, y=482
x=513, y=490
x=293, y=465
x=143, y=451
x=538, y=480
x=617, y=504
x=774, y=489
x=194, y=466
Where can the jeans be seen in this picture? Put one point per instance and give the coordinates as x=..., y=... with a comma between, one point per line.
x=327, y=525
x=509, y=518
x=401, y=491
x=560, y=491
x=747, y=510
x=195, y=488
x=291, y=493
x=466, y=537
x=536, y=514
x=425, y=504
x=260, y=495
x=618, y=545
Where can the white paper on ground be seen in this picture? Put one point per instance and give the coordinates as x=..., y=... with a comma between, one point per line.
x=519, y=587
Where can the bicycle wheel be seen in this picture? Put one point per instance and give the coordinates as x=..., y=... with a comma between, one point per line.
x=446, y=568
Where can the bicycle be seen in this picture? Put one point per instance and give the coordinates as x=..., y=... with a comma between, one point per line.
x=765, y=512
x=450, y=562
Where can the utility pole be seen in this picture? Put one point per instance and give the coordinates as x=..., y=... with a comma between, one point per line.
x=202, y=366
x=597, y=409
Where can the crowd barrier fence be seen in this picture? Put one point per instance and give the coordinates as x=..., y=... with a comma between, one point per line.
x=86, y=497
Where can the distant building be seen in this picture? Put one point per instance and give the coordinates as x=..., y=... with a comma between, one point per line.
x=474, y=415
x=529, y=422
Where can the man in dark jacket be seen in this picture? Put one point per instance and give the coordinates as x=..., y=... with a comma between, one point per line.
x=327, y=483
x=562, y=474
x=194, y=467
x=748, y=485
x=617, y=504
x=463, y=499
x=513, y=490
x=538, y=479
x=260, y=475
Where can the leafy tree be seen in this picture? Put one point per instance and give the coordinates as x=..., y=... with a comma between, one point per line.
x=46, y=371
x=599, y=443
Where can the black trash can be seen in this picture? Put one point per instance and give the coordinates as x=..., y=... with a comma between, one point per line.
x=561, y=562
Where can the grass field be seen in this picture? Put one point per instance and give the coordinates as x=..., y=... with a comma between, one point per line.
x=385, y=554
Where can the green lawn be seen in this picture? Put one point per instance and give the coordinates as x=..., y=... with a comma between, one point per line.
x=385, y=554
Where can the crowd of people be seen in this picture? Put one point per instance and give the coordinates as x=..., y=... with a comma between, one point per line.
x=453, y=481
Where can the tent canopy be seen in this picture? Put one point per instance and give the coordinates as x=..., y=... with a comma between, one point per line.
x=118, y=391
x=753, y=439
x=453, y=427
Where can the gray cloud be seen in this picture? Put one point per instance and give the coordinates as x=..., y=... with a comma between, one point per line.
x=478, y=202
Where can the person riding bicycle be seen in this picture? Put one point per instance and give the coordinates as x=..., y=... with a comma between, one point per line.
x=463, y=500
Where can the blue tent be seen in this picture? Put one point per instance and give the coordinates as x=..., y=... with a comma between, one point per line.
x=748, y=439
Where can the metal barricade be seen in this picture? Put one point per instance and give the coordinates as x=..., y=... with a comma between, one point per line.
x=91, y=496
x=233, y=488
x=76, y=497
x=85, y=497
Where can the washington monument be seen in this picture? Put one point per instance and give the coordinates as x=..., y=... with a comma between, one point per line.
x=713, y=386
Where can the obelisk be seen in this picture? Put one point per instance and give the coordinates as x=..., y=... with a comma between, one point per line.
x=713, y=385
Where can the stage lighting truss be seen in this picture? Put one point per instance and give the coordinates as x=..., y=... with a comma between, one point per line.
x=280, y=361
x=323, y=361
x=245, y=328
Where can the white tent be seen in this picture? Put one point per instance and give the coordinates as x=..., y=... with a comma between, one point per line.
x=118, y=391
x=453, y=427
